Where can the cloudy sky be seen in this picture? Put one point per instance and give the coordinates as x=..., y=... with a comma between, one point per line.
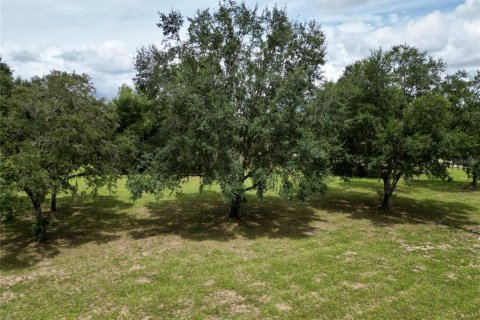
x=101, y=37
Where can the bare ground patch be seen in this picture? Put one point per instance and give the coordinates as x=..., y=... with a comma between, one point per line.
x=230, y=301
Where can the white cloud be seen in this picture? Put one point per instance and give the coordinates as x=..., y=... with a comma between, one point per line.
x=57, y=35
x=110, y=63
x=453, y=36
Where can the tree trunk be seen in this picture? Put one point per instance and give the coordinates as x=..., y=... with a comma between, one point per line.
x=387, y=195
x=41, y=223
x=37, y=212
x=235, y=207
x=53, y=203
x=475, y=179
x=40, y=226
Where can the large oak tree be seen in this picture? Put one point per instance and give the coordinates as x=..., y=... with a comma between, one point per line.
x=232, y=103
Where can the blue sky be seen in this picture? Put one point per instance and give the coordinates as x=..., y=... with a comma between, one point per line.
x=101, y=37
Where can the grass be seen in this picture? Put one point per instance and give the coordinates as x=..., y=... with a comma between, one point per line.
x=334, y=257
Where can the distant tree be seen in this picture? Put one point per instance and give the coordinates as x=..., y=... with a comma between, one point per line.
x=392, y=124
x=233, y=104
x=136, y=125
x=10, y=202
x=6, y=84
x=463, y=92
x=54, y=129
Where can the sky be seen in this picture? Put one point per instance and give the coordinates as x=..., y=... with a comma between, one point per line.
x=101, y=37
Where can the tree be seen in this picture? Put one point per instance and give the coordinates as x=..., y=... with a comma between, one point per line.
x=233, y=104
x=53, y=129
x=135, y=114
x=463, y=92
x=392, y=123
x=10, y=202
x=6, y=84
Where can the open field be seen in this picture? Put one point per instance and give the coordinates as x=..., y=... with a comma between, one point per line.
x=334, y=257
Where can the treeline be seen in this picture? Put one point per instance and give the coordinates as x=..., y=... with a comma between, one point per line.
x=240, y=101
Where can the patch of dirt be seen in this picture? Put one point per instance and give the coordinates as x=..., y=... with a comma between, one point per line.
x=7, y=296
x=324, y=225
x=209, y=283
x=348, y=256
x=124, y=312
x=425, y=248
x=142, y=280
x=224, y=297
x=233, y=302
x=259, y=284
x=283, y=307
x=451, y=276
x=10, y=281
x=136, y=267
x=419, y=268
x=171, y=242
x=354, y=285
x=319, y=277
x=106, y=308
x=186, y=306
x=390, y=278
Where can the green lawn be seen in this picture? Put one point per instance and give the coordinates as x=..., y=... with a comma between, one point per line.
x=334, y=257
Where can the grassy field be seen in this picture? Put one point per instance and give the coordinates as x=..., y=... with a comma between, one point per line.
x=334, y=257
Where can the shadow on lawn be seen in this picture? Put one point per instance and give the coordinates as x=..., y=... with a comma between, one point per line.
x=361, y=205
x=90, y=220
x=191, y=216
x=436, y=185
x=203, y=216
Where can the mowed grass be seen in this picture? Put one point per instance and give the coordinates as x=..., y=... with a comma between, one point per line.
x=334, y=257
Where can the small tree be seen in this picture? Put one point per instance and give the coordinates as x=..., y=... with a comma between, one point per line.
x=392, y=124
x=232, y=104
x=53, y=129
x=10, y=202
x=463, y=92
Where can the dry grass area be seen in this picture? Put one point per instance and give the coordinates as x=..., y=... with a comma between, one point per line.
x=334, y=257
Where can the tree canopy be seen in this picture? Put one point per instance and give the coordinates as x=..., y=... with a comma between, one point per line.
x=463, y=92
x=393, y=123
x=236, y=97
x=53, y=128
x=233, y=104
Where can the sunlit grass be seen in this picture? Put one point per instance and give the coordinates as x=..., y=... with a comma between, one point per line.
x=335, y=256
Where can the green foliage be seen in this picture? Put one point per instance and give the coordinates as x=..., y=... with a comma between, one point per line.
x=463, y=92
x=52, y=129
x=6, y=85
x=391, y=121
x=136, y=125
x=233, y=103
x=10, y=202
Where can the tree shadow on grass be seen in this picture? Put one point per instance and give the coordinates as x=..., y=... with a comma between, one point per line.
x=200, y=216
x=90, y=220
x=412, y=186
x=362, y=205
x=205, y=217
x=454, y=186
